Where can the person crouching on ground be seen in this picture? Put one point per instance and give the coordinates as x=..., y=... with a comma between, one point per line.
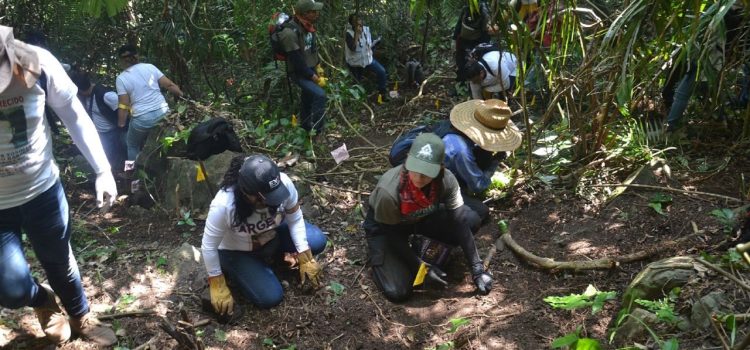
x=256, y=216
x=492, y=74
x=419, y=197
x=485, y=134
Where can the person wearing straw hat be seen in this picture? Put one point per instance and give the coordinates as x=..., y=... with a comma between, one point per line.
x=484, y=134
x=32, y=198
x=419, y=197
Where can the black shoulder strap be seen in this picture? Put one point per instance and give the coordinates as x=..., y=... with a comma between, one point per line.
x=487, y=66
x=98, y=94
x=48, y=114
x=43, y=82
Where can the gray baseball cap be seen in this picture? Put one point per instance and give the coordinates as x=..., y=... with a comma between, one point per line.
x=426, y=155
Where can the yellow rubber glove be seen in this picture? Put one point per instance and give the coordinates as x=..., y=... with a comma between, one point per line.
x=308, y=267
x=322, y=81
x=319, y=71
x=221, y=297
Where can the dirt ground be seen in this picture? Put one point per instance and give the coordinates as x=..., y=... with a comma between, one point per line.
x=126, y=266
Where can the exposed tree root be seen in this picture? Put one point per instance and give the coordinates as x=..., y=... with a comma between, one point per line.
x=597, y=264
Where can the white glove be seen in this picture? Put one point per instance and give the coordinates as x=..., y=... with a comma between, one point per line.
x=106, y=190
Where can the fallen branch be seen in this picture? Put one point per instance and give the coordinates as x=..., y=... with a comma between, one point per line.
x=669, y=189
x=724, y=273
x=712, y=319
x=421, y=88
x=372, y=114
x=147, y=344
x=181, y=337
x=499, y=245
x=597, y=264
x=135, y=313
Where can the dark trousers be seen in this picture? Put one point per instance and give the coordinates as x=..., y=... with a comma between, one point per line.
x=313, y=105
x=254, y=276
x=115, y=148
x=394, y=264
x=375, y=67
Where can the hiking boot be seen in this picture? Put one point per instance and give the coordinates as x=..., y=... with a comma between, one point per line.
x=90, y=328
x=51, y=318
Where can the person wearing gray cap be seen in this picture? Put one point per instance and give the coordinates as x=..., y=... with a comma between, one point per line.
x=420, y=197
x=32, y=199
x=256, y=216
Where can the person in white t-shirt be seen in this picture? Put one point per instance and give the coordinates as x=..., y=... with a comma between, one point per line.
x=139, y=92
x=101, y=104
x=32, y=199
x=255, y=216
x=494, y=72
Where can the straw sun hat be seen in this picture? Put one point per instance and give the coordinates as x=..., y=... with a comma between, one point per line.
x=487, y=123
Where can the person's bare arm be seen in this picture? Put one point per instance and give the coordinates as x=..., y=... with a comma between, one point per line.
x=123, y=109
x=165, y=83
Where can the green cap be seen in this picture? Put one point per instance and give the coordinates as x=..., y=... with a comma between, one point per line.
x=307, y=5
x=426, y=155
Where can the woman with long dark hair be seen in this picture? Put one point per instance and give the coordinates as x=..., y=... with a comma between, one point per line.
x=256, y=216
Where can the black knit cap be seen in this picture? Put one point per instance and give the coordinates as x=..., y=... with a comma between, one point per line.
x=260, y=175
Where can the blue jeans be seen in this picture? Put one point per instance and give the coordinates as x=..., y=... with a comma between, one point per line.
x=113, y=142
x=139, y=128
x=44, y=219
x=313, y=106
x=379, y=71
x=254, y=276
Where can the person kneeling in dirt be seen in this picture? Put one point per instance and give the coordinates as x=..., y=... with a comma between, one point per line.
x=494, y=72
x=254, y=217
x=484, y=134
x=420, y=197
x=477, y=137
x=32, y=198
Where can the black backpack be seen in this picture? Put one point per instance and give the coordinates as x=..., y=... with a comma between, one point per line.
x=477, y=54
x=211, y=137
x=401, y=146
x=279, y=21
x=472, y=24
x=98, y=94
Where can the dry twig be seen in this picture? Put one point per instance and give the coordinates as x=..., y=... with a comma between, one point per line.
x=135, y=313
x=724, y=273
x=669, y=189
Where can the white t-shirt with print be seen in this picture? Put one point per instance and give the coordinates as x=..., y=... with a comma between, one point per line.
x=27, y=166
x=141, y=83
x=219, y=232
x=102, y=123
